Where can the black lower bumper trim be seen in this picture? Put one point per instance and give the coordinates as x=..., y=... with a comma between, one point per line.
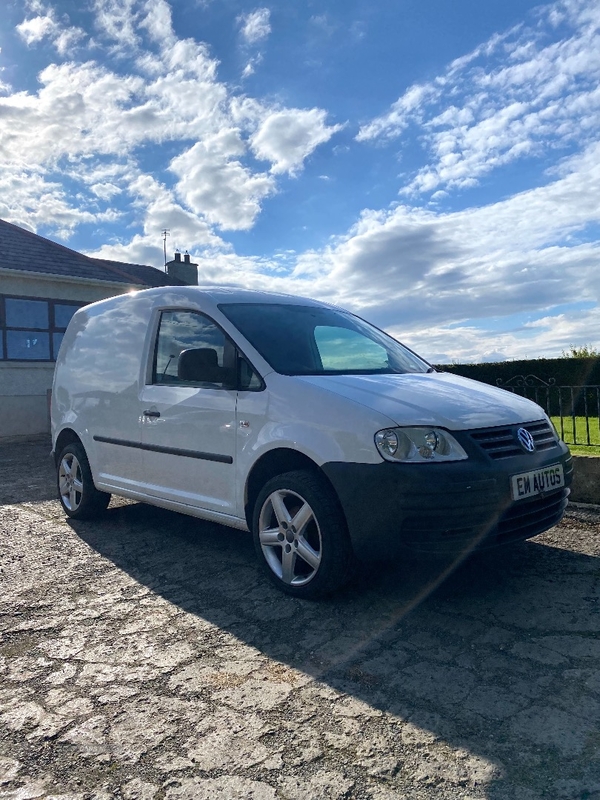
x=448, y=507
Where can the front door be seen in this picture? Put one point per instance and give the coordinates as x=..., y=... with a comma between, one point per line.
x=189, y=424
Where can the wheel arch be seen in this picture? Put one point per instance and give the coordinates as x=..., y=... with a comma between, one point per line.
x=65, y=437
x=276, y=462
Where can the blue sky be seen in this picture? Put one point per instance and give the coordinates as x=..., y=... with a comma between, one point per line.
x=433, y=166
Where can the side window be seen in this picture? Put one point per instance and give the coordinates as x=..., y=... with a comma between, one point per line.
x=192, y=350
x=343, y=349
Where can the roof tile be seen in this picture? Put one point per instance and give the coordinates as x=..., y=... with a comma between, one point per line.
x=21, y=249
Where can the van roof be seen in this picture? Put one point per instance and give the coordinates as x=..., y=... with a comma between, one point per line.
x=204, y=298
x=231, y=294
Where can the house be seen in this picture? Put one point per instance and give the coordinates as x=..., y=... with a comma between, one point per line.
x=42, y=284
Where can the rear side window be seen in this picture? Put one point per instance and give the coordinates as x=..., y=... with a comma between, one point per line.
x=190, y=344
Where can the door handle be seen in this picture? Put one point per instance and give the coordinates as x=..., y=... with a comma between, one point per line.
x=150, y=413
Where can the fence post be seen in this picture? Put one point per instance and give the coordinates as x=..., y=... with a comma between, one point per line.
x=570, y=405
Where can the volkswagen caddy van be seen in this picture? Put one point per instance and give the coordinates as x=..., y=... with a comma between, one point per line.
x=299, y=422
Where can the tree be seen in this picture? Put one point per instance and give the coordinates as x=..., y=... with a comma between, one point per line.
x=581, y=351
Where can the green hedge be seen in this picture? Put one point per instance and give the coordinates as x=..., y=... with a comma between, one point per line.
x=564, y=371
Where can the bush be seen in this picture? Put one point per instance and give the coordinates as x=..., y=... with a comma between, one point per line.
x=583, y=351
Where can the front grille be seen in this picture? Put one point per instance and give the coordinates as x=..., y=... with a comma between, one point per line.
x=503, y=442
x=529, y=517
x=521, y=520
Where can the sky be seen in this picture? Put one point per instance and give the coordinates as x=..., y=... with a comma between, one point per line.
x=432, y=166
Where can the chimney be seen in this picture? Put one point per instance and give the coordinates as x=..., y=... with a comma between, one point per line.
x=183, y=271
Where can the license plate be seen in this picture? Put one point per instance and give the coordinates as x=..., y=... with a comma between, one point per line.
x=537, y=481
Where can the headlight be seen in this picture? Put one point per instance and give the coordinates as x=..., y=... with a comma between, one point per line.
x=418, y=445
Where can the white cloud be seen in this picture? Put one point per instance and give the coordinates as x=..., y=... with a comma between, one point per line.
x=160, y=211
x=67, y=38
x=250, y=67
x=256, y=26
x=435, y=280
x=85, y=113
x=254, y=30
x=543, y=338
x=73, y=152
x=421, y=273
x=214, y=183
x=117, y=19
x=157, y=21
x=80, y=109
x=288, y=137
x=35, y=29
x=517, y=95
x=397, y=119
x=30, y=199
x=105, y=191
x=46, y=25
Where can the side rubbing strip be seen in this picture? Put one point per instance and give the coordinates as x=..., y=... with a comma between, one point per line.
x=172, y=451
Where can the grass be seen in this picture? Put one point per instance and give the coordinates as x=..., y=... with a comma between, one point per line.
x=579, y=432
x=584, y=450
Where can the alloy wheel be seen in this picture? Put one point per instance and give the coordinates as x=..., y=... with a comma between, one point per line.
x=290, y=537
x=70, y=483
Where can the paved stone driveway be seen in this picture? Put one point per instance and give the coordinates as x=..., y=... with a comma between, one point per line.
x=144, y=657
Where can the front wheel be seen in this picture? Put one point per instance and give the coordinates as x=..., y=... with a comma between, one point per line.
x=300, y=535
x=76, y=491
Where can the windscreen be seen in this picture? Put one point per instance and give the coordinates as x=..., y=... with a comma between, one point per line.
x=314, y=340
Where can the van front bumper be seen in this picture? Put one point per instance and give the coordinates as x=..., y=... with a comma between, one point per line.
x=445, y=507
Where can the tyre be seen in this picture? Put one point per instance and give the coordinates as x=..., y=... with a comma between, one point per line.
x=300, y=535
x=76, y=491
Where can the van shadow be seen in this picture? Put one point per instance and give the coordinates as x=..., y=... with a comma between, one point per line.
x=502, y=660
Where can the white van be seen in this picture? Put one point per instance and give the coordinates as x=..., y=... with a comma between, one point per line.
x=299, y=421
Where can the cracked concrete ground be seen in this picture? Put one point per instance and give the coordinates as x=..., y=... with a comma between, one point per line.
x=143, y=656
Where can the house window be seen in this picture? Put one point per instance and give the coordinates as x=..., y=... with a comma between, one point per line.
x=32, y=329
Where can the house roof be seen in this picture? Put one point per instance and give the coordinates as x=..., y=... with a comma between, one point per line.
x=25, y=251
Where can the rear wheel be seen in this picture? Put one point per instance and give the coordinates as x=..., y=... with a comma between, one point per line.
x=300, y=535
x=76, y=491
